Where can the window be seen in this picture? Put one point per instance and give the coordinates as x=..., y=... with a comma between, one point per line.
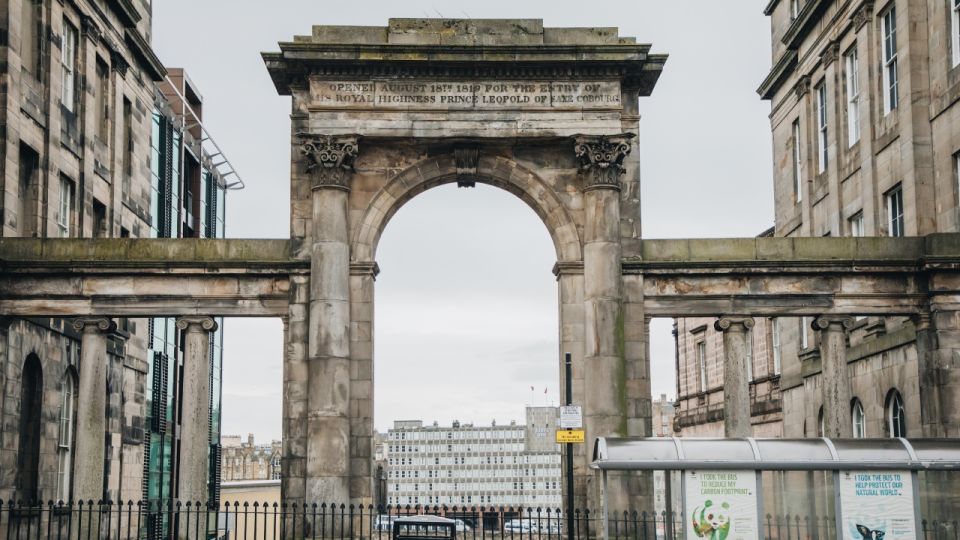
x=749, y=358
x=775, y=338
x=794, y=9
x=65, y=438
x=857, y=419
x=804, y=333
x=896, y=418
x=895, y=211
x=28, y=450
x=65, y=212
x=820, y=426
x=955, y=30
x=102, y=110
x=31, y=37
x=821, y=127
x=853, y=96
x=68, y=61
x=127, y=137
x=797, y=179
x=702, y=363
x=856, y=224
x=890, y=91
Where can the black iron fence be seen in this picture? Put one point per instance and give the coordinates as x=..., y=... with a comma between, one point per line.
x=87, y=520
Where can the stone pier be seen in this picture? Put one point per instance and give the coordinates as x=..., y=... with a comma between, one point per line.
x=195, y=427
x=837, y=421
x=91, y=407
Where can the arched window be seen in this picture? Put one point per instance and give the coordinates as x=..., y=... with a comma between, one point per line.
x=858, y=419
x=896, y=417
x=820, y=430
x=68, y=407
x=28, y=450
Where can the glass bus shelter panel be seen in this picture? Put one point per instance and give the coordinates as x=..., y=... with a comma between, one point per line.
x=935, y=450
x=652, y=449
x=939, y=504
x=793, y=450
x=855, y=451
x=798, y=504
x=717, y=450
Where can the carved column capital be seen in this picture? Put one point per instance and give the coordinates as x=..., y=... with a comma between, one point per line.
x=862, y=16
x=197, y=323
x=830, y=53
x=94, y=324
x=600, y=158
x=824, y=322
x=329, y=159
x=736, y=324
x=802, y=87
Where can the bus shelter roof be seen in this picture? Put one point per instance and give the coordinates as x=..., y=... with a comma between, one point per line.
x=674, y=453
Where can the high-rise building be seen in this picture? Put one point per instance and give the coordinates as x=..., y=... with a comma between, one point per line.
x=863, y=103
x=463, y=464
x=99, y=140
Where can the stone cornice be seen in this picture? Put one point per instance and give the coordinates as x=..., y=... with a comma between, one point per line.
x=148, y=59
x=600, y=159
x=778, y=75
x=329, y=159
x=804, y=22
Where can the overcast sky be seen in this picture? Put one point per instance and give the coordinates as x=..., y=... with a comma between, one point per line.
x=466, y=305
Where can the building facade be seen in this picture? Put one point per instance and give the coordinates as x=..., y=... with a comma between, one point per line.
x=244, y=461
x=81, y=92
x=464, y=464
x=863, y=103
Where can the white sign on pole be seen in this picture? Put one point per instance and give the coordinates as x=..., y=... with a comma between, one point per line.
x=571, y=417
x=721, y=505
x=877, y=504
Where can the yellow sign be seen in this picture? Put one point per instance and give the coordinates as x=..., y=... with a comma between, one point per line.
x=570, y=435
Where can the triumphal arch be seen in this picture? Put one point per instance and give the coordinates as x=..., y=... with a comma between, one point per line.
x=381, y=114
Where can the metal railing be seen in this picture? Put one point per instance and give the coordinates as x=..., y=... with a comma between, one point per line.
x=152, y=520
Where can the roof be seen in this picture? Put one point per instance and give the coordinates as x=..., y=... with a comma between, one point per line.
x=673, y=453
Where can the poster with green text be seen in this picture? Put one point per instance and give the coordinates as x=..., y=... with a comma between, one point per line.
x=877, y=505
x=721, y=505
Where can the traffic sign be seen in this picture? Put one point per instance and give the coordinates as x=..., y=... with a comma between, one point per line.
x=571, y=416
x=570, y=436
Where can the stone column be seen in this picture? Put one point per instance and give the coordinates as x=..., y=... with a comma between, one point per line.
x=330, y=160
x=834, y=375
x=604, y=375
x=195, y=426
x=91, y=407
x=736, y=380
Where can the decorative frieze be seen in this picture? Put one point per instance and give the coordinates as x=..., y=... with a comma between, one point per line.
x=830, y=53
x=862, y=16
x=329, y=159
x=802, y=87
x=601, y=159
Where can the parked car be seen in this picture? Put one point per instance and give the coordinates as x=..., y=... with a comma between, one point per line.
x=519, y=526
x=462, y=526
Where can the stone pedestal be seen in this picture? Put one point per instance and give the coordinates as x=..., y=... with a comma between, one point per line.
x=736, y=380
x=835, y=377
x=91, y=407
x=195, y=426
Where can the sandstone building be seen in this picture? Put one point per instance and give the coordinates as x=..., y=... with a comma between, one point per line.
x=97, y=140
x=863, y=108
x=248, y=460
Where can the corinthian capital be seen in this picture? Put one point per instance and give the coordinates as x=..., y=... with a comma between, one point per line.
x=601, y=159
x=329, y=159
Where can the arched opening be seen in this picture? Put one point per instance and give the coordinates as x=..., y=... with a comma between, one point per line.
x=65, y=434
x=467, y=351
x=28, y=449
x=858, y=419
x=896, y=414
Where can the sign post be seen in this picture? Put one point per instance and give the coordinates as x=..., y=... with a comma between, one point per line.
x=568, y=367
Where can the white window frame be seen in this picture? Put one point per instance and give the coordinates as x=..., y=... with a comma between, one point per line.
x=775, y=338
x=888, y=48
x=701, y=351
x=858, y=419
x=797, y=176
x=896, y=418
x=749, y=356
x=856, y=224
x=68, y=70
x=65, y=215
x=853, y=95
x=894, y=204
x=822, y=125
x=804, y=334
x=955, y=32
x=65, y=438
x=794, y=9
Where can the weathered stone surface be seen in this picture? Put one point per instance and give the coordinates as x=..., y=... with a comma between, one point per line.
x=195, y=426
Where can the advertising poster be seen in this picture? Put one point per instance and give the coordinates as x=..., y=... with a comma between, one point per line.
x=877, y=505
x=721, y=505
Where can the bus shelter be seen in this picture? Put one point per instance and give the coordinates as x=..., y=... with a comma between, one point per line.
x=772, y=489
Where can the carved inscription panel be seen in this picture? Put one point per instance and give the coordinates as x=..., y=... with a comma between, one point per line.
x=476, y=95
